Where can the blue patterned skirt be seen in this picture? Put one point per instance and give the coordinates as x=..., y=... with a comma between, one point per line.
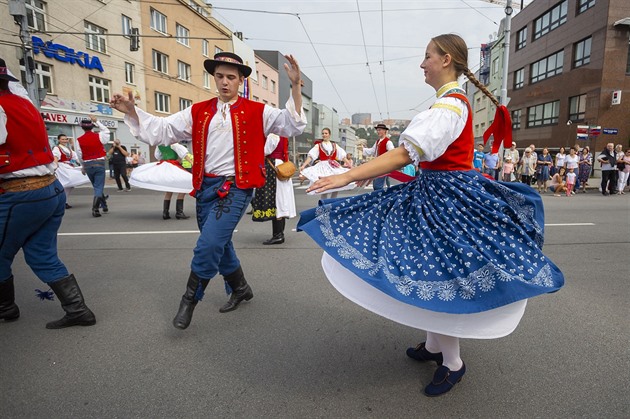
x=449, y=241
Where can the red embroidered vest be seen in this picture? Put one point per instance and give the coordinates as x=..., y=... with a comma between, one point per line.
x=27, y=141
x=91, y=146
x=382, y=146
x=249, y=141
x=458, y=155
x=281, y=151
x=322, y=153
x=64, y=157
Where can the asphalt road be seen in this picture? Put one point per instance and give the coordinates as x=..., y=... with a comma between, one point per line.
x=300, y=349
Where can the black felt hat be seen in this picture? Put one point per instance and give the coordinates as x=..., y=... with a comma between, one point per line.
x=227, y=58
x=382, y=126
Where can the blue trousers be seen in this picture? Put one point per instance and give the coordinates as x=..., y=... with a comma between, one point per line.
x=217, y=218
x=380, y=182
x=95, y=171
x=30, y=221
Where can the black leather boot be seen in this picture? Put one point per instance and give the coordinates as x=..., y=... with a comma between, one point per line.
x=240, y=290
x=96, y=203
x=71, y=299
x=179, y=210
x=104, y=202
x=278, y=232
x=167, y=206
x=9, y=311
x=194, y=293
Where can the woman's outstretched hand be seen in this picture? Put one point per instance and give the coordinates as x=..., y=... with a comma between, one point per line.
x=329, y=182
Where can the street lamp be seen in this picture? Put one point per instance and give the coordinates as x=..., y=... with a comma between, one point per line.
x=569, y=123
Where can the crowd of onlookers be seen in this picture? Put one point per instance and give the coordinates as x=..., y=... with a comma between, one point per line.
x=568, y=171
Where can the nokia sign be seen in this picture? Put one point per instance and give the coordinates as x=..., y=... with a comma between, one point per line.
x=65, y=54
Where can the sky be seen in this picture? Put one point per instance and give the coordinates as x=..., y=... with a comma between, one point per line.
x=362, y=60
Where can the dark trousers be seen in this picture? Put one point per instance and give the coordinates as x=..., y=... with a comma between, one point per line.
x=120, y=169
x=609, y=181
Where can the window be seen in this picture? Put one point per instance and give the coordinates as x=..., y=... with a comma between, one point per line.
x=265, y=102
x=265, y=81
x=183, y=71
x=547, y=67
x=545, y=114
x=95, y=37
x=584, y=5
x=158, y=21
x=162, y=102
x=551, y=19
x=36, y=14
x=519, y=78
x=521, y=38
x=182, y=35
x=516, y=119
x=204, y=47
x=577, y=107
x=129, y=73
x=273, y=86
x=99, y=89
x=217, y=50
x=160, y=62
x=582, y=53
x=495, y=66
x=255, y=98
x=44, y=76
x=206, y=79
x=126, y=25
x=184, y=103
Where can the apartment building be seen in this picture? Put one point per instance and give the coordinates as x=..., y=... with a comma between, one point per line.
x=264, y=86
x=569, y=67
x=81, y=56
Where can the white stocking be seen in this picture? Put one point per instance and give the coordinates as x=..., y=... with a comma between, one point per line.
x=449, y=346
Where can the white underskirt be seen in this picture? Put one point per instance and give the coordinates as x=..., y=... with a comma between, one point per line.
x=491, y=324
x=322, y=169
x=285, y=198
x=70, y=176
x=164, y=177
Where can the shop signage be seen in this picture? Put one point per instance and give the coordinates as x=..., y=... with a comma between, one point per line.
x=66, y=54
x=73, y=119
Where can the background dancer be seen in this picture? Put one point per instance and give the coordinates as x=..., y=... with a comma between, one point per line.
x=91, y=154
x=68, y=172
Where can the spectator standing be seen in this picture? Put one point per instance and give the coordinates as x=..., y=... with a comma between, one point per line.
x=571, y=178
x=608, y=160
x=624, y=172
x=571, y=162
x=559, y=160
x=508, y=169
x=516, y=157
x=585, y=164
x=491, y=164
x=478, y=158
x=118, y=158
x=543, y=166
x=528, y=167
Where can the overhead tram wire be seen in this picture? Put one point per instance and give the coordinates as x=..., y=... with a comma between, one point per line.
x=383, y=61
x=367, y=62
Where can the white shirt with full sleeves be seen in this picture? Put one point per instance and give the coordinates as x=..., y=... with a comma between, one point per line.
x=372, y=150
x=313, y=153
x=219, y=159
x=435, y=129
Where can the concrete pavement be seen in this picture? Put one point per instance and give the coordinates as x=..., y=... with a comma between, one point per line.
x=300, y=349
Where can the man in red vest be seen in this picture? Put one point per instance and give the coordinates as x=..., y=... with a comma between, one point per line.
x=381, y=146
x=92, y=155
x=228, y=137
x=32, y=204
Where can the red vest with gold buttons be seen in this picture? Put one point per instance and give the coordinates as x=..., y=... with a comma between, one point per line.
x=91, y=146
x=322, y=153
x=249, y=141
x=458, y=155
x=27, y=141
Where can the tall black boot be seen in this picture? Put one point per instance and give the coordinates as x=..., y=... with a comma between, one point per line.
x=194, y=293
x=179, y=210
x=278, y=232
x=240, y=290
x=166, y=207
x=9, y=311
x=104, y=202
x=71, y=298
x=96, y=203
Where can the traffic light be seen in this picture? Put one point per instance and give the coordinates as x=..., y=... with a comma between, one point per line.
x=134, y=40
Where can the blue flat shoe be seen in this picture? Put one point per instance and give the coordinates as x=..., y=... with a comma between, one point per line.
x=444, y=380
x=420, y=353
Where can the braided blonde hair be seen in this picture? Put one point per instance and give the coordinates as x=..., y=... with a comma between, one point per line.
x=455, y=46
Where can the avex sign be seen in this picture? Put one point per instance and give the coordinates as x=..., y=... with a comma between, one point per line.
x=66, y=54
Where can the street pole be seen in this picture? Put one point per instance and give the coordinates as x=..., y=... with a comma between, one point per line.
x=17, y=9
x=507, y=27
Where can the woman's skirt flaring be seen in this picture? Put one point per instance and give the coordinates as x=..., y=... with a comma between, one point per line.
x=450, y=252
x=70, y=176
x=162, y=176
x=325, y=168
